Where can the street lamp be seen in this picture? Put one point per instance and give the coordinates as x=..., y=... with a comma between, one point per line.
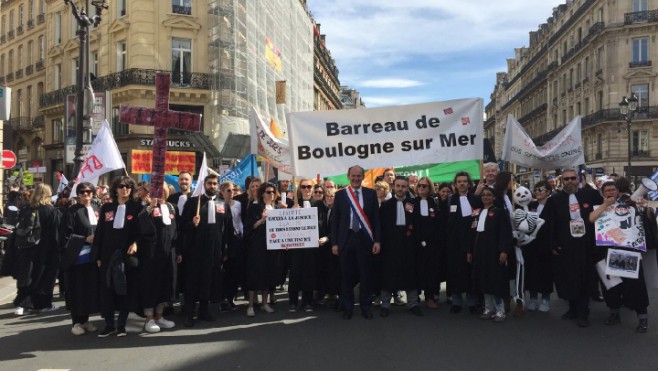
x=83, y=82
x=627, y=108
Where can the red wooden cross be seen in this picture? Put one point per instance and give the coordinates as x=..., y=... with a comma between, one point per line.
x=162, y=119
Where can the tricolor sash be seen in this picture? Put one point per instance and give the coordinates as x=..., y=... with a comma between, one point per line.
x=358, y=211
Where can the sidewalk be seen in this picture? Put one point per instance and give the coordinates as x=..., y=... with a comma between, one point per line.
x=7, y=290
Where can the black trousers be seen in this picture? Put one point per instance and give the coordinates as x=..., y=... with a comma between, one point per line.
x=356, y=267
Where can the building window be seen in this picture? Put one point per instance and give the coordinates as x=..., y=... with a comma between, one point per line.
x=42, y=6
x=29, y=101
x=30, y=10
x=642, y=93
x=2, y=65
x=181, y=60
x=93, y=65
x=10, y=62
x=11, y=20
x=3, y=31
x=74, y=26
x=58, y=28
x=599, y=59
x=640, y=6
x=19, y=100
x=19, y=60
x=182, y=7
x=30, y=53
x=42, y=48
x=58, y=76
x=121, y=8
x=640, y=51
x=640, y=143
x=586, y=74
x=58, y=131
x=74, y=71
x=121, y=56
x=21, y=15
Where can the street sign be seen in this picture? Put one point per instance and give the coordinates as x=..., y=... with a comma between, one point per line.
x=537, y=175
x=8, y=159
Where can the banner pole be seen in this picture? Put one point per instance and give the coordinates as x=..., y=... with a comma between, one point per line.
x=294, y=191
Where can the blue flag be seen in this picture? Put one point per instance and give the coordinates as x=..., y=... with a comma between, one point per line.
x=239, y=173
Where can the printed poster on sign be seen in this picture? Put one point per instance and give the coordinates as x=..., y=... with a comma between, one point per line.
x=623, y=263
x=620, y=225
x=295, y=228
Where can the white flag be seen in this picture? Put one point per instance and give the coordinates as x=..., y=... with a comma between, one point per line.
x=564, y=150
x=274, y=148
x=62, y=183
x=203, y=172
x=103, y=157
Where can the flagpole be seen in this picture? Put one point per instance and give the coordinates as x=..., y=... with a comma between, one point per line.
x=294, y=191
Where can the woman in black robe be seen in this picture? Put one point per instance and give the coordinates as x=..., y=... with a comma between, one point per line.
x=427, y=231
x=80, y=271
x=493, y=244
x=328, y=263
x=38, y=265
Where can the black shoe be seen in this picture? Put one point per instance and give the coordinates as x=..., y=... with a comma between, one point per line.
x=366, y=313
x=347, y=315
x=107, y=331
x=642, y=326
x=224, y=307
x=205, y=316
x=455, y=309
x=583, y=322
x=416, y=311
x=569, y=315
x=189, y=321
x=474, y=310
x=121, y=332
x=384, y=312
x=614, y=319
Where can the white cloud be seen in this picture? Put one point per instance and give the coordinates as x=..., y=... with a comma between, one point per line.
x=390, y=83
x=393, y=100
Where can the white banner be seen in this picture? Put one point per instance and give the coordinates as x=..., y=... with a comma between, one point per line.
x=295, y=228
x=328, y=142
x=103, y=157
x=564, y=150
x=274, y=147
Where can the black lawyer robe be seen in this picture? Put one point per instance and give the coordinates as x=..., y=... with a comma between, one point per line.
x=460, y=239
x=489, y=276
x=427, y=232
x=537, y=256
x=398, y=250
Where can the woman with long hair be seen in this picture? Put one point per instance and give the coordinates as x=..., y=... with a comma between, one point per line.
x=427, y=225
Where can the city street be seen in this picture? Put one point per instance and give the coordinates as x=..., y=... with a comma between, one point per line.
x=323, y=341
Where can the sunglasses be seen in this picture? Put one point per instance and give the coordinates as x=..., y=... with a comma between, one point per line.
x=567, y=178
x=122, y=186
x=270, y=192
x=422, y=185
x=85, y=192
x=540, y=189
x=305, y=186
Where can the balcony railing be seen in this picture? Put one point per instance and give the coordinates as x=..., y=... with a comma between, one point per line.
x=612, y=114
x=647, y=16
x=29, y=69
x=21, y=123
x=598, y=156
x=10, y=77
x=41, y=18
x=20, y=29
x=3, y=39
x=19, y=73
x=30, y=24
x=639, y=64
x=10, y=34
x=133, y=76
x=40, y=65
x=640, y=153
x=39, y=122
x=2, y=80
x=181, y=9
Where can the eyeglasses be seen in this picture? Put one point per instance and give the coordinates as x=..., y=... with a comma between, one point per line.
x=270, y=192
x=306, y=186
x=421, y=185
x=568, y=178
x=85, y=192
x=540, y=189
x=122, y=186
x=318, y=192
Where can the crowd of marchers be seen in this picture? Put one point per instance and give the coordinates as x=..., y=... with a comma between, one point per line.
x=499, y=248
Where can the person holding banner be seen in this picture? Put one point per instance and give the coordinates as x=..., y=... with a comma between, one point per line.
x=356, y=236
x=398, y=254
x=462, y=207
x=207, y=235
x=571, y=241
x=631, y=292
x=427, y=229
x=263, y=268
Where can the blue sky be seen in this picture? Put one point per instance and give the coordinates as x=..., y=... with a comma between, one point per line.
x=402, y=52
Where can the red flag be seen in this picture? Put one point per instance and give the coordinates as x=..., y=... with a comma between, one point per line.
x=447, y=111
x=466, y=121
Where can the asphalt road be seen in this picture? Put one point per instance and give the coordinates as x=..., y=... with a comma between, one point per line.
x=323, y=341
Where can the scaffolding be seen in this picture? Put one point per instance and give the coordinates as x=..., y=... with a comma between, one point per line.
x=252, y=45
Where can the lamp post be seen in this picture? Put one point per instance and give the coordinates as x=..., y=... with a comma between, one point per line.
x=627, y=108
x=83, y=82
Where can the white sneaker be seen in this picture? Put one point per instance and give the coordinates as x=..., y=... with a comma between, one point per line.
x=19, y=311
x=165, y=323
x=499, y=317
x=266, y=308
x=78, y=330
x=544, y=306
x=151, y=327
x=89, y=327
x=531, y=305
x=250, y=312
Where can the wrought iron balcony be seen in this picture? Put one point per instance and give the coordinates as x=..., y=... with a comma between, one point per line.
x=22, y=123
x=640, y=153
x=612, y=114
x=639, y=64
x=41, y=18
x=181, y=9
x=10, y=77
x=647, y=16
x=40, y=65
x=2, y=79
x=39, y=122
x=20, y=29
x=19, y=73
x=133, y=76
x=10, y=34
x=3, y=39
x=30, y=24
x=29, y=69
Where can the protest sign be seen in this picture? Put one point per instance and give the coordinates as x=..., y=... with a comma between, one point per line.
x=268, y=141
x=618, y=226
x=175, y=162
x=564, y=150
x=292, y=228
x=328, y=142
x=623, y=263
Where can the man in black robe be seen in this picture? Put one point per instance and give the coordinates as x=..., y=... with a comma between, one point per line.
x=398, y=252
x=206, y=237
x=179, y=199
x=572, y=243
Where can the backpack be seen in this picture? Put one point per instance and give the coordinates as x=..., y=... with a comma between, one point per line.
x=28, y=229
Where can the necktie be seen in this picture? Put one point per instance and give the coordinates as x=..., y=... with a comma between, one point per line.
x=355, y=219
